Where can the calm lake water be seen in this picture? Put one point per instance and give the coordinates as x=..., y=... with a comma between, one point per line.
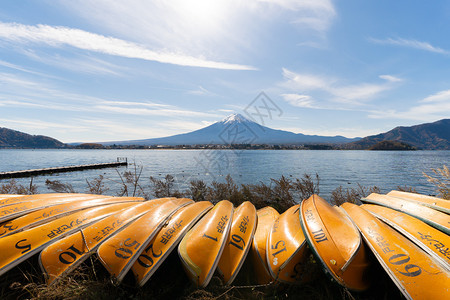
x=385, y=169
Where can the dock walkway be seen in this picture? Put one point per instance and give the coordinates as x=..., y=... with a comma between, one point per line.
x=35, y=172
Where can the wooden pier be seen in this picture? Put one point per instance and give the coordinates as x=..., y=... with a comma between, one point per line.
x=36, y=172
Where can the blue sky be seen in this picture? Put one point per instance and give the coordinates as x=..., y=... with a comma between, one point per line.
x=87, y=71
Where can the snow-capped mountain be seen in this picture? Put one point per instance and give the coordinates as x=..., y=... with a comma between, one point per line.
x=236, y=129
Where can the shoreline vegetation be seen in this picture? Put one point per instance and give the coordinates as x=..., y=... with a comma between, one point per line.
x=92, y=281
x=382, y=145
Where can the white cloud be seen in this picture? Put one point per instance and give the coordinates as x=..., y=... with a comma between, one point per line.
x=312, y=14
x=332, y=88
x=35, y=94
x=305, y=81
x=430, y=108
x=151, y=112
x=410, y=44
x=390, y=78
x=34, y=124
x=83, y=64
x=438, y=97
x=201, y=91
x=55, y=36
x=298, y=100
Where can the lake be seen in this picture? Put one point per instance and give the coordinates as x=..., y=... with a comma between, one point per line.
x=385, y=169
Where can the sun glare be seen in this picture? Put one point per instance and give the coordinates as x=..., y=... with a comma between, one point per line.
x=203, y=13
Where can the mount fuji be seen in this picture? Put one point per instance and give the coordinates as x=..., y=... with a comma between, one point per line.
x=236, y=129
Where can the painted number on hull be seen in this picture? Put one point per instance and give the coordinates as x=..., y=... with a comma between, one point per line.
x=148, y=258
x=26, y=247
x=236, y=240
x=410, y=269
x=210, y=237
x=275, y=247
x=7, y=228
x=126, y=253
x=319, y=235
x=70, y=256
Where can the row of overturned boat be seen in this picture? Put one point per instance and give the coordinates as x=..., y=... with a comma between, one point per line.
x=407, y=233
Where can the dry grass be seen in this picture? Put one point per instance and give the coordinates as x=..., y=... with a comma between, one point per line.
x=441, y=180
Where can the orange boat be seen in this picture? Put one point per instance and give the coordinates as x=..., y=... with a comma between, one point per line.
x=22, y=245
x=437, y=219
x=19, y=209
x=60, y=197
x=119, y=252
x=167, y=239
x=239, y=241
x=432, y=241
x=432, y=202
x=48, y=214
x=266, y=217
x=415, y=273
x=336, y=242
x=202, y=246
x=286, y=248
x=75, y=248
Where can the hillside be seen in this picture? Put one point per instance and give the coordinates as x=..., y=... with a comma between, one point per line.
x=236, y=129
x=391, y=145
x=15, y=139
x=429, y=136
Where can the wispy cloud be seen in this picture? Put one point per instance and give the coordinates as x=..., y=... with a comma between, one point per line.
x=312, y=14
x=331, y=88
x=151, y=112
x=201, y=91
x=58, y=36
x=391, y=78
x=443, y=96
x=25, y=70
x=20, y=92
x=430, y=108
x=34, y=124
x=410, y=44
x=82, y=64
x=298, y=100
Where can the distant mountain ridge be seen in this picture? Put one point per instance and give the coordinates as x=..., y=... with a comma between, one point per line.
x=15, y=139
x=236, y=129
x=428, y=136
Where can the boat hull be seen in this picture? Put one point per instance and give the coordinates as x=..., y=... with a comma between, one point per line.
x=336, y=242
x=157, y=250
x=286, y=248
x=239, y=241
x=414, y=272
x=202, y=246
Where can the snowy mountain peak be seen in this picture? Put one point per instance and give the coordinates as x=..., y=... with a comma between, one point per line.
x=235, y=118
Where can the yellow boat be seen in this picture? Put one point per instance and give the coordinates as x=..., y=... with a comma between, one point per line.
x=437, y=219
x=19, y=209
x=157, y=250
x=239, y=241
x=202, y=246
x=18, y=247
x=286, y=248
x=8, y=197
x=74, y=249
x=119, y=252
x=266, y=217
x=336, y=242
x=61, y=197
x=53, y=212
x=432, y=202
x=415, y=273
x=432, y=241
